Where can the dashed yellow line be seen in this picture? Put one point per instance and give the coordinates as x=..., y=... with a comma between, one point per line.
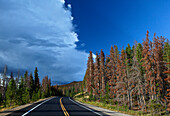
x=63, y=108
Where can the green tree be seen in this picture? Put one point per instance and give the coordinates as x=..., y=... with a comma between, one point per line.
x=39, y=94
x=26, y=77
x=37, y=82
x=42, y=96
x=129, y=55
x=31, y=86
x=26, y=96
x=166, y=52
x=11, y=92
x=107, y=93
x=139, y=49
x=139, y=56
x=47, y=91
x=34, y=96
x=21, y=91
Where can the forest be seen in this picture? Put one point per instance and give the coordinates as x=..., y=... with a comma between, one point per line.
x=137, y=78
x=26, y=89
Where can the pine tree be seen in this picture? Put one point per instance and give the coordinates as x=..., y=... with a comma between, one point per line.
x=167, y=60
x=27, y=80
x=49, y=86
x=39, y=94
x=90, y=70
x=139, y=56
x=37, y=82
x=26, y=96
x=102, y=72
x=121, y=83
x=97, y=76
x=135, y=83
x=11, y=92
x=123, y=76
x=21, y=91
x=31, y=85
x=147, y=64
x=167, y=95
x=129, y=55
x=166, y=51
x=139, y=52
x=107, y=96
x=111, y=73
x=157, y=82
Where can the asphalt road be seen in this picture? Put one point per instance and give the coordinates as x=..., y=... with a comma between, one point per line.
x=57, y=106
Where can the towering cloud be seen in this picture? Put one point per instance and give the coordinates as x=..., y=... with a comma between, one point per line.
x=40, y=33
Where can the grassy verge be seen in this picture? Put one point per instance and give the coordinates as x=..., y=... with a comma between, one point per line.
x=2, y=108
x=121, y=109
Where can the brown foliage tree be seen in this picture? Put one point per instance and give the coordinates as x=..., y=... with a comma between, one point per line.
x=102, y=72
x=97, y=76
x=90, y=73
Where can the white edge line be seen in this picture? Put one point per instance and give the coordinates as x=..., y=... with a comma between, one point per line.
x=36, y=106
x=85, y=107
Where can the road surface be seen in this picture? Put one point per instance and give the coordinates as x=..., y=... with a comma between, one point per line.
x=57, y=106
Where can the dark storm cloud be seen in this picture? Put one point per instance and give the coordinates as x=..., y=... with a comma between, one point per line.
x=40, y=33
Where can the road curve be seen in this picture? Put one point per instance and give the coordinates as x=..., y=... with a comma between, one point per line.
x=57, y=106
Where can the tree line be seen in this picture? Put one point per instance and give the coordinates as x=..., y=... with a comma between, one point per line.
x=137, y=77
x=24, y=89
x=71, y=89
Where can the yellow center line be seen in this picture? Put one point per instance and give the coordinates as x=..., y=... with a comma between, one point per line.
x=63, y=108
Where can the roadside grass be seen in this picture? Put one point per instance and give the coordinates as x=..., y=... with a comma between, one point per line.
x=2, y=108
x=116, y=108
x=122, y=109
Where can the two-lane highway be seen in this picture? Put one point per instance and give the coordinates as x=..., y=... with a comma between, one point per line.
x=57, y=106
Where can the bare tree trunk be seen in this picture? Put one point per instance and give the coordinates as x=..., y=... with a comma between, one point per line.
x=131, y=100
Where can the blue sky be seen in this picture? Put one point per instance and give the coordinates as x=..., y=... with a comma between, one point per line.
x=56, y=35
x=102, y=23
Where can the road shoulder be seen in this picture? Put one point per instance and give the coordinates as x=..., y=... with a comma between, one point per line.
x=9, y=111
x=105, y=111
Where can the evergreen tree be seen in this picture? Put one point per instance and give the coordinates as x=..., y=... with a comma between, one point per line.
x=26, y=96
x=97, y=76
x=129, y=55
x=47, y=91
x=43, y=95
x=90, y=73
x=166, y=52
x=31, y=86
x=39, y=94
x=27, y=80
x=107, y=93
x=112, y=68
x=21, y=91
x=11, y=92
x=139, y=52
x=147, y=64
x=139, y=56
x=102, y=72
x=37, y=82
